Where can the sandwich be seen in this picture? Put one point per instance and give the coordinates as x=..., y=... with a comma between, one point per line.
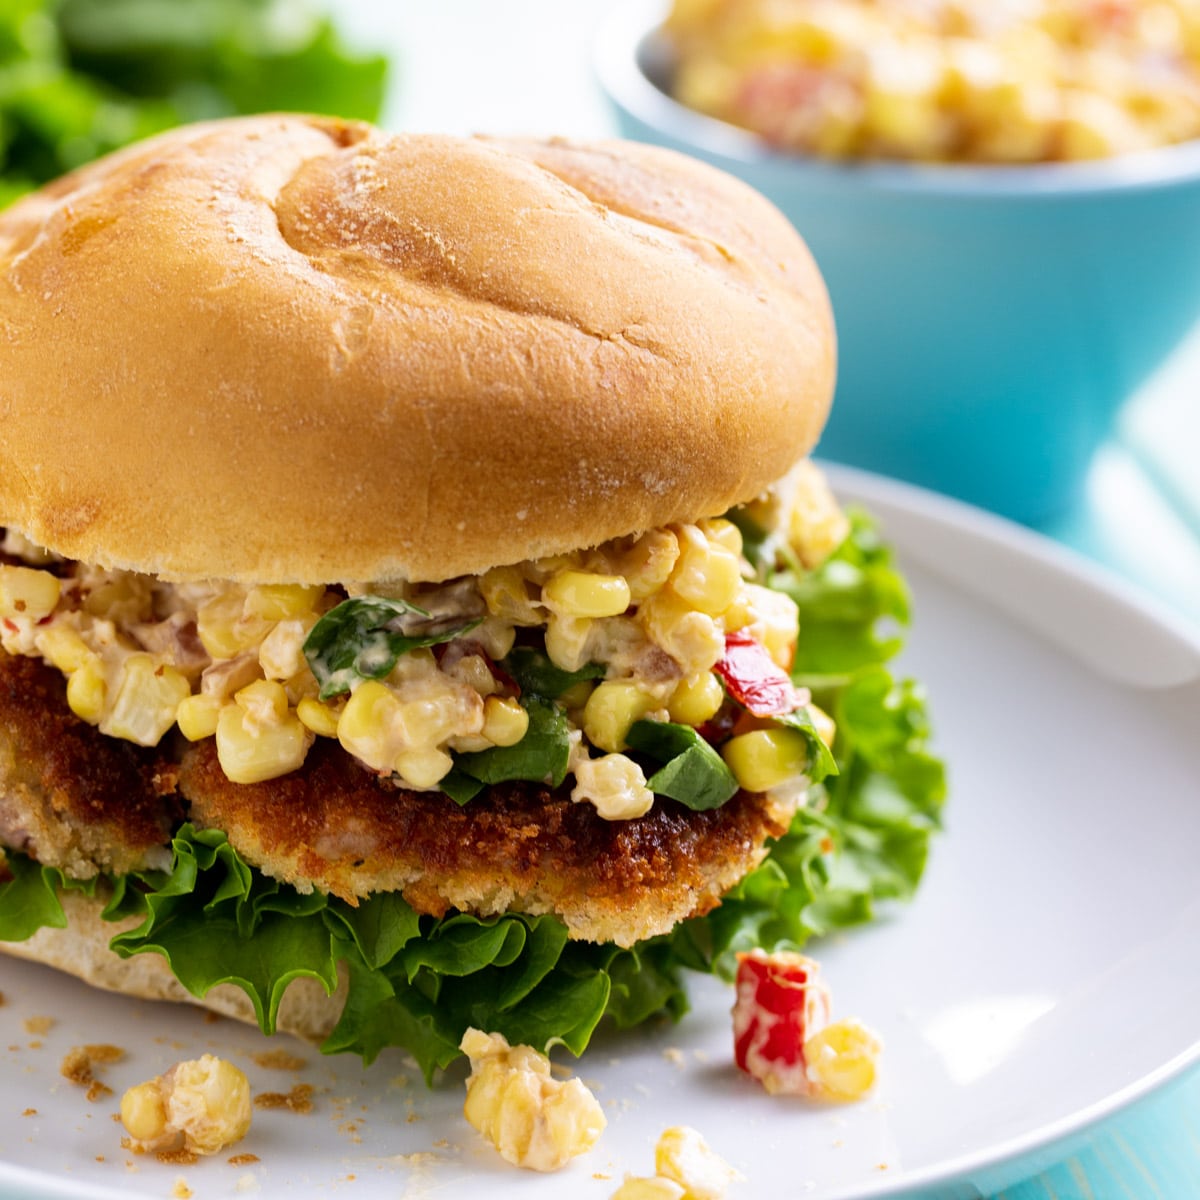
x=417, y=607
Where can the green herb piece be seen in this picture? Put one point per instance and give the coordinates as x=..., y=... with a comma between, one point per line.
x=541, y=756
x=821, y=760
x=460, y=787
x=694, y=773
x=536, y=674
x=356, y=640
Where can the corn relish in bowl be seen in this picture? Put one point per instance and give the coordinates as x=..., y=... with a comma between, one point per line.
x=944, y=80
x=1004, y=212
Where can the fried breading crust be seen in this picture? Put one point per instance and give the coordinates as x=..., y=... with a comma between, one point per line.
x=521, y=847
x=69, y=796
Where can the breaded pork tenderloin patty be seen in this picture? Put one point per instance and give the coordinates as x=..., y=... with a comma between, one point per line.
x=73, y=799
x=396, y=519
x=69, y=796
x=333, y=826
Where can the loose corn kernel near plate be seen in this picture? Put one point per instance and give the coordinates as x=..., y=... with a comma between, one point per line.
x=203, y=1103
x=686, y=1168
x=534, y=1121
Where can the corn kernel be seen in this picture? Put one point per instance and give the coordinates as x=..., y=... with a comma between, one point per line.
x=766, y=758
x=647, y=564
x=614, y=785
x=842, y=1060
x=121, y=597
x=223, y=628
x=148, y=695
x=1096, y=127
x=87, y=691
x=423, y=769
x=27, y=592
x=567, y=641
x=533, y=1120
x=774, y=622
x=279, y=601
x=505, y=722
x=63, y=648
x=437, y=715
x=691, y=638
x=823, y=723
x=250, y=754
x=582, y=594
x=639, y=1188
x=473, y=670
x=684, y=1157
x=196, y=716
x=200, y=1106
x=610, y=711
x=724, y=533
x=495, y=636
x=696, y=700
x=901, y=99
x=707, y=575
x=143, y=1112
x=576, y=696
x=365, y=728
x=816, y=525
x=281, y=654
x=318, y=717
x=209, y=1100
x=506, y=593
x=264, y=702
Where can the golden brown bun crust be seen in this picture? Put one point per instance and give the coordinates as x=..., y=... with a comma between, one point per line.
x=82, y=950
x=294, y=349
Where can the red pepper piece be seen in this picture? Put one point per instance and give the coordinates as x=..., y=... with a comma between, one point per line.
x=754, y=679
x=780, y=1005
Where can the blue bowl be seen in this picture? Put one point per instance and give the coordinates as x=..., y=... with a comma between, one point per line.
x=991, y=320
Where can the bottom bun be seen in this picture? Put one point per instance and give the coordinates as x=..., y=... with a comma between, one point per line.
x=82, y=950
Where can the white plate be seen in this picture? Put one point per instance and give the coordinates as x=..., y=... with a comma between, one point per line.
x=1045, y=976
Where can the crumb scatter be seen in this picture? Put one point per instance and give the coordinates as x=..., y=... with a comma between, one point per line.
x=177, y=1158
x=278, y=1060
x=79, y=1066
x=298, y=1100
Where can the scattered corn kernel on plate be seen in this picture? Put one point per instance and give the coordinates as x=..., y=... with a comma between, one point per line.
x=1044, y=977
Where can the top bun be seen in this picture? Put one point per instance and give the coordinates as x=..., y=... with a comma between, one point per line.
x=294, y=349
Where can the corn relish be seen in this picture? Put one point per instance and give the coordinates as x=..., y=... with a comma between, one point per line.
x=649, y=616
x=1021, y=81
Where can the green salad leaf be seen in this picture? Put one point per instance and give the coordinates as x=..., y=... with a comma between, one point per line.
x=358, y=639
x=418, y=982
x=79, y=78
x=851, y=608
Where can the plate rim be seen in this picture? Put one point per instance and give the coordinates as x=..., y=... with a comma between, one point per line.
x=880, y=494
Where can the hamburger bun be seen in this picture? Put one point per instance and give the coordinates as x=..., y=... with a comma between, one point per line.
x=81, y=949
x=294, y=349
